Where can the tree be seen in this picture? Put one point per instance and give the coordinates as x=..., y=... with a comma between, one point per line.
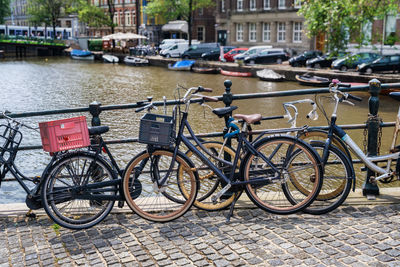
x=93, y=16
x=177, y=9
x=4, y=10
x=337, y=19
x=48, y=11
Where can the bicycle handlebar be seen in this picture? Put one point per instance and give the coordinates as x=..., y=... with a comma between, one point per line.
x=5, y=116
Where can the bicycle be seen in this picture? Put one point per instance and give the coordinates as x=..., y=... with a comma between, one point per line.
x=383, y=173
x=77, y=189
x=285, y=154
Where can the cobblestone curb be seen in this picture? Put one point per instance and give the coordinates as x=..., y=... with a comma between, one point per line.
x=362, y=236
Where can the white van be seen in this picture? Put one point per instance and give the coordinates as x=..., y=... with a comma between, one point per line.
x=166, y=43
x=177, y=49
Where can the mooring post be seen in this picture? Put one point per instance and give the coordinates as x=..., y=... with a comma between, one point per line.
x=94, y=109
x=373, y=125
x=227, y=98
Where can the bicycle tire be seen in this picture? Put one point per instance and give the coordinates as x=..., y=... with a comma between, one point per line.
x=209, y=182
x=62, y=192
x=337, y=181
x=155, y=204
x=287, y=154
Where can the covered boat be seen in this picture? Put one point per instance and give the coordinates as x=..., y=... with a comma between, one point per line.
x=236, y=73
x=110, y=59
x=82, y=54
x=205, y=70
x=181, y=65
x=136, y=61
x=311, y=80
x=270, y=75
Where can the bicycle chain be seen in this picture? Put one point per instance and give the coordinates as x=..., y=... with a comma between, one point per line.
x=372, y=118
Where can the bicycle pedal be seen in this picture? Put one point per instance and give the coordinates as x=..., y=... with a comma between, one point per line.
x=121, y=204
x=30, y=214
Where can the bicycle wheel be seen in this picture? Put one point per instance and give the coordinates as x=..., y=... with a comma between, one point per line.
x=65, y=195
x=274, y=191
x=209, y=182
x=337, y=181
x=165, y=203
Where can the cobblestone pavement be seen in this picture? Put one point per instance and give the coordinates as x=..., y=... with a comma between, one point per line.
x=362, y=236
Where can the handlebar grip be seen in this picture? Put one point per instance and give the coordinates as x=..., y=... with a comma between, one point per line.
x=350, y=96
x=210, y=98
x=344, y=85
x=202, y=89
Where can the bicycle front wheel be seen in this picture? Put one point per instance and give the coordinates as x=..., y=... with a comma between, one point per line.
x=273, y=189
x=154, y=202
x=69, y=195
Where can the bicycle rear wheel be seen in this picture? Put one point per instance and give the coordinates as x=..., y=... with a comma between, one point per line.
x=274, y=191
x=65, y=195
x=160, y=203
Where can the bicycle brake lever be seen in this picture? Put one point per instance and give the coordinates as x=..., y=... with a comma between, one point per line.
x=348, y=102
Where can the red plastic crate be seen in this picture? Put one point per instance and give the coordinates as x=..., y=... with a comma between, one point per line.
x=64, y=134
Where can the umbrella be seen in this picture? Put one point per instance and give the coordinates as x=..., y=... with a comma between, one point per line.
x=124, y=36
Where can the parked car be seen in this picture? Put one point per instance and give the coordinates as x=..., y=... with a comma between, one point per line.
x=272, y=55
x=166, y=43
x=196, y=50
x=228, y=57
x=176, y=50
x=251, y=51
x=384, y=63
x=215, y=54
x=324, y=61
x=301, y=59
x=351, y=61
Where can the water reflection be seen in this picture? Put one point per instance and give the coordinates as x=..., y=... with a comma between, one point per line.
x=57, y=83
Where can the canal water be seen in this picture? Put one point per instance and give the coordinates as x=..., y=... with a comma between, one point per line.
x=58, y=83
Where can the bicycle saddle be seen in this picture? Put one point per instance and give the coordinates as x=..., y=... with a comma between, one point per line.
x=395, y=95
x=97, y=130
x=220, y=112
x=250, y=119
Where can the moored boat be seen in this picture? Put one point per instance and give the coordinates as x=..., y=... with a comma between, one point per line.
x=136, y=61
x=311, y=80
x=181, y=65
x=269, y=75
x=235, y=73
x=110, y=59
x=204, y=70
x=82, y=54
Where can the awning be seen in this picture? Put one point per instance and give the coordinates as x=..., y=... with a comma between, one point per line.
x=175, y=26
x=123, y=36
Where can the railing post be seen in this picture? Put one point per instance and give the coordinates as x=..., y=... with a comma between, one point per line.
x=373, y=124
x=94, y=109
x=227, y=98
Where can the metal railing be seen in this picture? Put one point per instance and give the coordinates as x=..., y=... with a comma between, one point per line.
x=374, y=88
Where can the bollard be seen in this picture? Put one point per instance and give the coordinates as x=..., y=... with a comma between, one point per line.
x=94, y=109
x=369, y=189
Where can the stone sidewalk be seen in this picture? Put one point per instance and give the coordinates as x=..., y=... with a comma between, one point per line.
x=349, y=236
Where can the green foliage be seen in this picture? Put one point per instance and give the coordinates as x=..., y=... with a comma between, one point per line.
x=29, y=40
x=95, y=45
x=337, y=19
x=4, y=10
x=175, y=9
x=93, y=16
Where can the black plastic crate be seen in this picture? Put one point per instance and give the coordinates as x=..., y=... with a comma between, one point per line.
x=157, y=130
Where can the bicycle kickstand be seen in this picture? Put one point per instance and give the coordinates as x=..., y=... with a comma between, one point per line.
x=30, y=214
x=230, y=214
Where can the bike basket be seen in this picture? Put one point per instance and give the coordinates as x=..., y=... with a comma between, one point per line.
x=10, y=138
x=157, y=130
x=64, y=134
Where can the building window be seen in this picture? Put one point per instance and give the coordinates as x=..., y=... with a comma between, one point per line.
x=367, y=32
x=267, y=4
x=222, y=5
x=127, y=18
x=239, y=5
x=297, y=4
x=252, y=32
x=253, y=5
x=239, y=32
x=267, y=32
x=281, y=4
x=200, y=33
x=201, y=11
x=297, y=29
x=281, y=32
